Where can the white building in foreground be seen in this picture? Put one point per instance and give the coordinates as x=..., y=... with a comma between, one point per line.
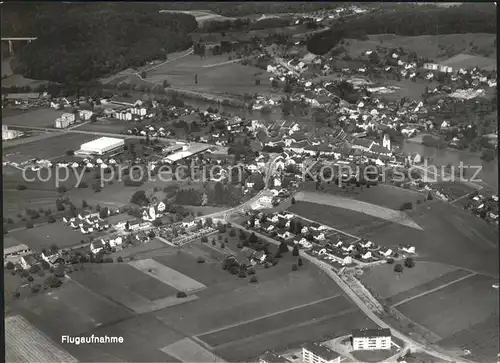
x=10, y=134
x=371, y=339
x=315, y=353
x=101, y=146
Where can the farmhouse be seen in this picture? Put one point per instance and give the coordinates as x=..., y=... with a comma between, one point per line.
x=315, y=353
x=28, y=261
x=101, y=146
x=13, y=254
x=371, y=339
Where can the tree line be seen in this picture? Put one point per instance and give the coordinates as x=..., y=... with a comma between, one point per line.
x=408, y=21
x=80, y=42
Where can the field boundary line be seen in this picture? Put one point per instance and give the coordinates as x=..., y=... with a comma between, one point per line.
x=293, y=326
x=434, y=289
x=268, y=315
x=222, y=63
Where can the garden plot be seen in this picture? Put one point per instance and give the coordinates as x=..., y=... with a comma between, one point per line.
x=167, y=275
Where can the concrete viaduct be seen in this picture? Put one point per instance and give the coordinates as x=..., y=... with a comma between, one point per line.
x=11, y=41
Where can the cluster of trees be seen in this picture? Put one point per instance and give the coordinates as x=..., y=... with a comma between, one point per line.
x=188, y=197
x=225, y=194
x=93, y=39
x=221, y=26
x=139, y=198
x=408, y=21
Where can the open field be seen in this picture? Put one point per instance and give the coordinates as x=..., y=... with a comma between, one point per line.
x=20, y=81
x=470, y=61
x=383, y=281
x=370, y=209
x=47, y=149
x=41, y=117
x=427, y=46
x=187, y=350
x=229, y=300
x=129, y=287
x=106, y=125
x=79, y=308
x=44, y=236
x=373, y=355
x=460, y=314
x=211, y=78
x=450, y=235
x=201, y=16
x=293, y=337
x=167, y=275
x=277, y=321
x=143, y=337
x=25, y=343
x=454, y=190
x=384, y=195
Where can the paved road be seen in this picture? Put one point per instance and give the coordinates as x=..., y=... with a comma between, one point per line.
x=410, y=344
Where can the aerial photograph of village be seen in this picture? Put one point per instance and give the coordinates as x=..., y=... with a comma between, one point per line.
x=296, y=182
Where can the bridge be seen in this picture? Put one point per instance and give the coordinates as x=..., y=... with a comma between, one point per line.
x=16, y=39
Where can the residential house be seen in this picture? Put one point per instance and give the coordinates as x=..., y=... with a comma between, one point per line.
x=28, y=261
x=85, y=115
x=97, y=246
x=189, y=222
x=371, y=339
x=115, y=242
x=431, y=66
x=315, y=353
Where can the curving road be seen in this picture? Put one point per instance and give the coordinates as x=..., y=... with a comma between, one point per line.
x=410, y=343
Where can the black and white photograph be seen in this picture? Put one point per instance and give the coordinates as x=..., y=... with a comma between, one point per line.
x=262, y=182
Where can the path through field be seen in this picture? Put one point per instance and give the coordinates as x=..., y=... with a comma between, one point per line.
x=358, y=206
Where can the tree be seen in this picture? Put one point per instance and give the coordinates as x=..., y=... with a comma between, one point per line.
x=139, y=198
x=398, y=268
x=406, y=206
x=84, y=204
x=9, y=265
x=254, y=279
x=35, y=288
x=390, y=261
x=204, y=239
x=253, y=238
x=299, y=262
x=283, y=248
x=295, y=251
x=52, y=281
x=59, y=205
x=21, y=187
x=294, y=267
x=181, y=294
x=232, y=233
x=200, y=260
x=29, y=224
x=119, y=259
x=409, y=262
x=293, y=200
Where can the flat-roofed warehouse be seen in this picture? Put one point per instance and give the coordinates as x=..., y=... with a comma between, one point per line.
x=101, y=146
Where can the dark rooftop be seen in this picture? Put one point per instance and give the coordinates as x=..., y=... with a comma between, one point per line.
x=368, y=333
x=272, y=357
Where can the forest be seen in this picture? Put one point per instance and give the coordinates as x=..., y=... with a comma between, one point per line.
x=410, y=21
x=79, y=42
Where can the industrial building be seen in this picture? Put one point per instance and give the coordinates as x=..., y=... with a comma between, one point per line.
x=101, y=146
x=10, y=134
x=371, y=339
x=65, y=120
x=271, y=357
